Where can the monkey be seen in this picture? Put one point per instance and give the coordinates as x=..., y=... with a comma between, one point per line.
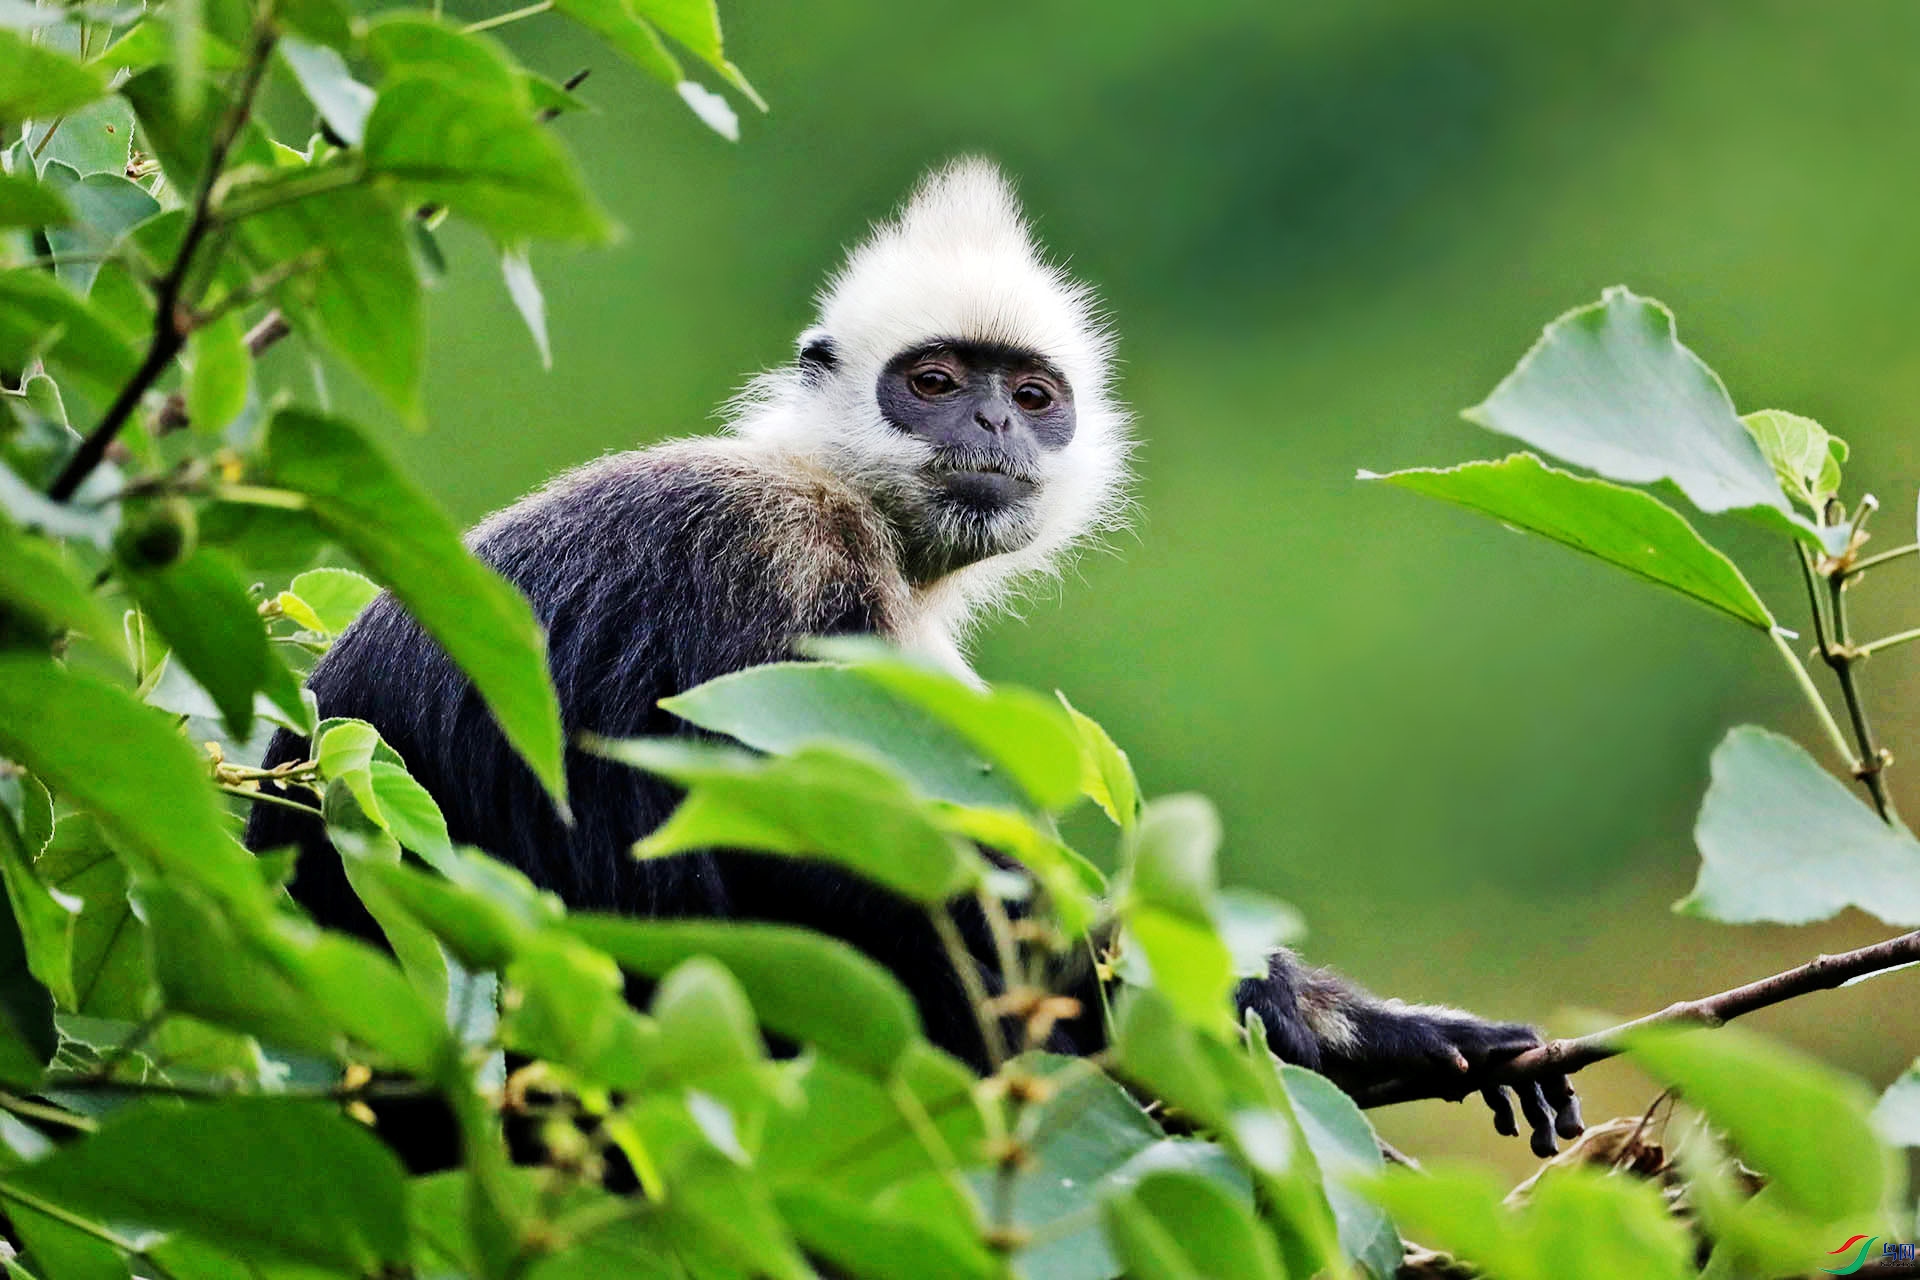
x=946, y=431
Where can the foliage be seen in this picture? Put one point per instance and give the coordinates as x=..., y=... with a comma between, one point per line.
x=186, y=1061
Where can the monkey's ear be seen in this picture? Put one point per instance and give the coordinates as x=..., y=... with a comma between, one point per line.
x=818, y=354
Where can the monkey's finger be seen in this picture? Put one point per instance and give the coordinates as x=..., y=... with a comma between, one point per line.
x=1566, y=1106
x=1533, y=1105
x=1501, y=1104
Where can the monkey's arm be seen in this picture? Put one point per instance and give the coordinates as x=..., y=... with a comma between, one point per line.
x=1318, y=1019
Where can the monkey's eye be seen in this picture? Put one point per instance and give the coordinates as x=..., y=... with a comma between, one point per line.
x=931, y=382
x=1032, y=397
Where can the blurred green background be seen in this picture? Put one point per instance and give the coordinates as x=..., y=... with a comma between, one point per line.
x=1471, y=759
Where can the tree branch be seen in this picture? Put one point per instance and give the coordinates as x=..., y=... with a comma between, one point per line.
x=1568, y=1056
x=271, y=328
x=169, y=320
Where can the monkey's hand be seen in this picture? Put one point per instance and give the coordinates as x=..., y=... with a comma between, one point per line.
x=1319, y=1020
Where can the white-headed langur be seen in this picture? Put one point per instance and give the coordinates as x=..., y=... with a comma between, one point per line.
x=946, y=431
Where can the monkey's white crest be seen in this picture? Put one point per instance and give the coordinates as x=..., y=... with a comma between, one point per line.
x=959, y=263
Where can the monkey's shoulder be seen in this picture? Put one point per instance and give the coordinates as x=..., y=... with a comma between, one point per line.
x=716, y=519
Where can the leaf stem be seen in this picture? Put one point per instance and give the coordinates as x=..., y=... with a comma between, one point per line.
x=1819, y=704
x=169, y=327
x=502, y=19
x=85, y=1226
x=1861, y=566
x=969, y=974
x=314, y=182
x=261, y=797
x=28, y=1109
x=1886, y=642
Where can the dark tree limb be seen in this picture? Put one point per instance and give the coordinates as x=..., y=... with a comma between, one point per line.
x=1568, y=1056
x=170, y=319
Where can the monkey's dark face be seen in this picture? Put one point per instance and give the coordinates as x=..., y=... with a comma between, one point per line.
x=990, y=416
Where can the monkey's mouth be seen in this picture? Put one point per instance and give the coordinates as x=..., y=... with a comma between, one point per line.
x=983, y=490
x=977, y=478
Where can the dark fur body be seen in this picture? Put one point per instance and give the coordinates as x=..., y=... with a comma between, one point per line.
x=654, y=572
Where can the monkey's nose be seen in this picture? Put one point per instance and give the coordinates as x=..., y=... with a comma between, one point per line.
x=992, y=426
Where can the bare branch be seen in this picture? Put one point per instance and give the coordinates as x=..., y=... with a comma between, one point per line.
x=271, y=328
x=1568, y=1056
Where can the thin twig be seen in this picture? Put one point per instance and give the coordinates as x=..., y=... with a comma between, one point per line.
x=1842, y=657
x=969, y=974
x=1861, y=566
x=1886, y=642
x=1565, y=1057
x=271, y=328
x=262, y=797
x=28, y=1109
x=85, y=1226
x=502, y=19
x=169, y=331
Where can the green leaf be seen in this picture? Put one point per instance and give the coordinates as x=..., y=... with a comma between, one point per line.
x=394, y=529
x=564, y=1003
x=1106, y=774
x=696, y=25
x=1897, y=1115
x=1086, y=1138
x=924, y=1229
x=1578, y=1224
x=37, y=83
x=94, y=745
x=816, y=803
x=1346, y=1148
x=414, y=44
x=287, y=983
x=200, y=605
x=1624, y=527
x=335, y=596
x=1008, y=748
x=1783, y=841
x=26, y=203
x=44, y=918
x=1074, y=886
x=111, y=974
x=614, y=21
x=851, y=1134
x=40, y=318
x=267, y=1179
x=1609, y=387
x=482, y=910
x=342, y=101
x=355, y=287
x=324, y=22
x=804, y=985
x=410, y=814
x=1168, y=909
x=1179, y=1226
x=220, y=369
x=1804, y=456
x=36, y=582
x=98, y=138
x=484, y=158
x=1240, y=1097
x=1802, y=1124
x=105, y=206
x=27, y=1039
